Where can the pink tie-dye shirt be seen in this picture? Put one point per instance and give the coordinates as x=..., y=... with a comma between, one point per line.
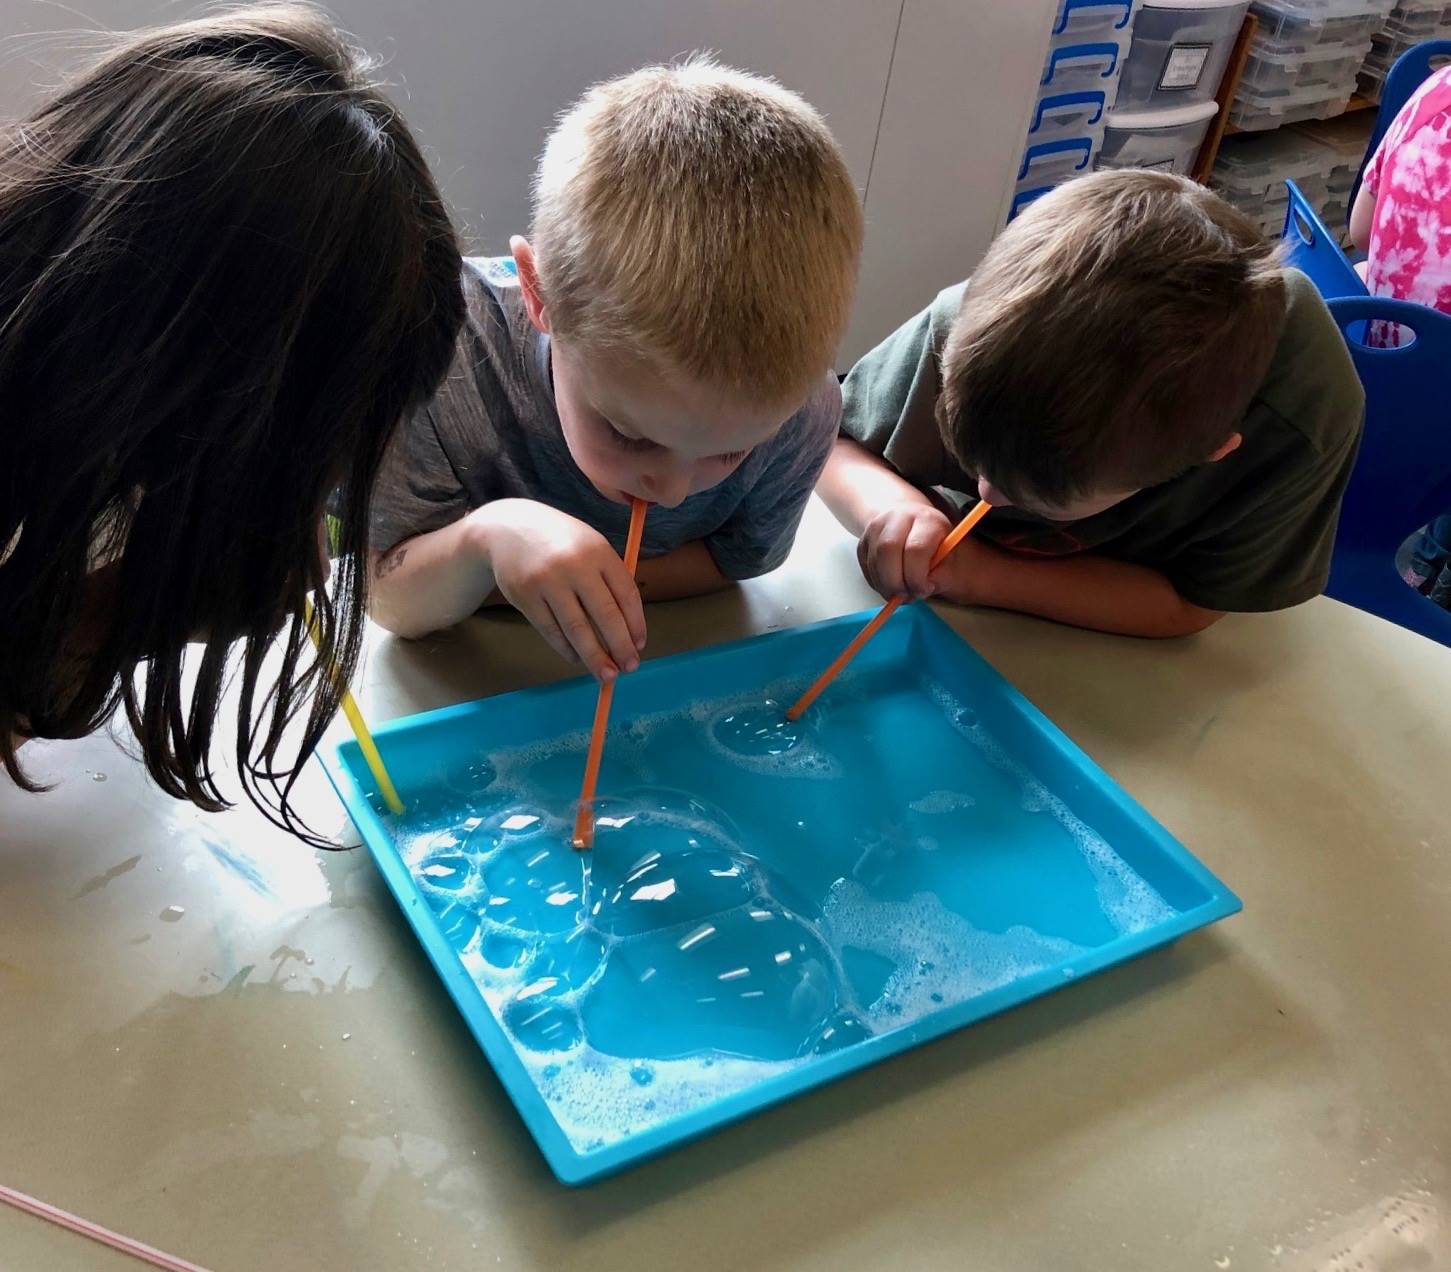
x=1409, y=256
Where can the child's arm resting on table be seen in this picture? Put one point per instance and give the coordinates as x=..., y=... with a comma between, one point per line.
x=688, y=570
x=1085, y=590
x=558, y=572
x=561, y=574
x=900, y=527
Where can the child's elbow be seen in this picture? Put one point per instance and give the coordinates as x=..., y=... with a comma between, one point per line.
x=1190, y=620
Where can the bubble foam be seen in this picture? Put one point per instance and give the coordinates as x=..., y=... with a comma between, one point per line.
x=670, y=966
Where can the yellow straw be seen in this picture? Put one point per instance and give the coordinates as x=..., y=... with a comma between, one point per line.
x=366, y=745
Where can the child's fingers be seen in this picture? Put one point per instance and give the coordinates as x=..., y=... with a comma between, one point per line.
x=627, y=596
x=865, y=559
x=541, y=618
x=884, y=556
x=603, y=609
x=922, y=541
x=580, y=633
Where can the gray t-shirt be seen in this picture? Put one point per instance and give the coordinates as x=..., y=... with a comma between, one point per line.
x=1251, y=532
x=492, y=432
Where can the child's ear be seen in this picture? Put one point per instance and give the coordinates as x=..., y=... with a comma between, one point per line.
x=528, y=271
x=1231, y=444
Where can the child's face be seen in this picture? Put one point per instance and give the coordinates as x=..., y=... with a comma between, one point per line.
x=640, y=432
x=660, y=437
x=1087, y=505
x=1075, y=510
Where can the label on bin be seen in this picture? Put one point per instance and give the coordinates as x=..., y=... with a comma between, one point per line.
x=1184, y=66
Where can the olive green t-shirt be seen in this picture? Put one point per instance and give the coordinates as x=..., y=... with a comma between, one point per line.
x=1250, y=532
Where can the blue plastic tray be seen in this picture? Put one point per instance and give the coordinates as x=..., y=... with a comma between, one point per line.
x=764, y=911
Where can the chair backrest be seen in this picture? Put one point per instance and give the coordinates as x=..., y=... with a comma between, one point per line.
x=1402, y=80
x=1313, y=249
x=1402, y=476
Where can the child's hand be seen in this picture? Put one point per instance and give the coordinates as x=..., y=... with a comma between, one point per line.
x=564, y=577
x=897, y=546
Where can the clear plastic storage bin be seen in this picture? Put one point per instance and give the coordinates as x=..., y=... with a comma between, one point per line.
x=1049, y=163
x=1253, y=112
x=1249, y=167
x=1060, y=115
x=1371, y=82
x=1300, y=25
x=1167, y=139
x=1080, y=68
x=1266, y=72
x=1179, y=52
x=1094, y=21
x=1345, y=138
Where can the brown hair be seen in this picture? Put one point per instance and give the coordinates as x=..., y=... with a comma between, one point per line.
x=704, y=217
x=1111, y=338
x=225, y=275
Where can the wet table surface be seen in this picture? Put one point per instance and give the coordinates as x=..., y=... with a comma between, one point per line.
x=226, y=1045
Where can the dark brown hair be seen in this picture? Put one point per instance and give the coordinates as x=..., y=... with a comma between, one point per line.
x=225, y=275
x=1111, y=338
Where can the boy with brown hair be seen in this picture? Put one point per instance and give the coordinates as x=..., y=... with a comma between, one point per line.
x=1163, y=417
x=667, y=333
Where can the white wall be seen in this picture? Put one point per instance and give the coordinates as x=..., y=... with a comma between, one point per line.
x=929, y=99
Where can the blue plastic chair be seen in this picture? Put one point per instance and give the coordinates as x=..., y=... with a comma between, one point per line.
x=1403, y=79
x=1402, y=478
x=1313, y=249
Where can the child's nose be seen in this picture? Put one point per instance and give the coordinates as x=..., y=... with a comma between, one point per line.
x=666, y=489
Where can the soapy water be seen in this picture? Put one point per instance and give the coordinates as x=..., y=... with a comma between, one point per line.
x=673, y=965
x=1130, y=903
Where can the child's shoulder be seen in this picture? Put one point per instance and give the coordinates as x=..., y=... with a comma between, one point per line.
x=943, y=311
x=1311, y=384
x=495, y=318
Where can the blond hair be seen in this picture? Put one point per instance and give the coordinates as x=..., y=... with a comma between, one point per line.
x=1111, y=338
x=704, y=218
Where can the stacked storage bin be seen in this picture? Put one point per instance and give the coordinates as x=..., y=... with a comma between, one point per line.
x=1305, y=59
x=1166, y=96
x=1250, y=172
x=1346, y=138
x=1079, y=84
x=1410, y=22
x=1321, y=158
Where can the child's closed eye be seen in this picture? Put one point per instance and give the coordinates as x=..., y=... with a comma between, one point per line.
x=634, y=445
x=731, y=458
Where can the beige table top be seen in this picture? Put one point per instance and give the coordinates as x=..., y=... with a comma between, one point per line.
x=220, y=1043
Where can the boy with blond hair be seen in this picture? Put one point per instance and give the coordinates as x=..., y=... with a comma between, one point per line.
x=666, y=333
x=1163, y=418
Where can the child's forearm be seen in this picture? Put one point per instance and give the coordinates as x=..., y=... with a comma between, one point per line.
x=856, y=485
x=1084, y=591
x=688, y=570
x=431, y=581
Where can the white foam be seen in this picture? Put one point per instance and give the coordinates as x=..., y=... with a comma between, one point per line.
x=806, y=759
x=942, y=802
x=939, y=956
x=599, y=1099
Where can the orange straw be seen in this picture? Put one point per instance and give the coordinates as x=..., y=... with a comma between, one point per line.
x=958, y=533
x=584, y=819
